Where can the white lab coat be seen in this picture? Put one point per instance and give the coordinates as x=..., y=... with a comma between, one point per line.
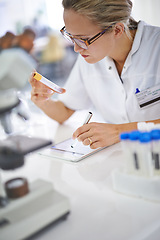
x=98, y=85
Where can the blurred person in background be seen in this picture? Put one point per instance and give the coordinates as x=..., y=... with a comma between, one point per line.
x=25, y=40
x=6, y=40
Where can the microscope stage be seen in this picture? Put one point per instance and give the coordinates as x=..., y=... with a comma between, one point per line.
x=27, y=215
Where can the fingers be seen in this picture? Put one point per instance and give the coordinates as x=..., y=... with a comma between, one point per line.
x=84, y=135
x=36, y=84
x=79, y=133
x=97, y=134
x=32, y=79
x=90, y=140
x=40, y=92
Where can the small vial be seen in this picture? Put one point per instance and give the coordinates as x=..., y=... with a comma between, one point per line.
x=134, y=146
x=125, y=143
x=48, y=83
x=155, y=136
x=142, y=126
x=145, y=154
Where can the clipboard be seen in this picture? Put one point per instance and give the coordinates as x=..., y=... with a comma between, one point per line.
x=64, y=151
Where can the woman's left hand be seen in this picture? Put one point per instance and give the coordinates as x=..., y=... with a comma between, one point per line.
x=97, y=134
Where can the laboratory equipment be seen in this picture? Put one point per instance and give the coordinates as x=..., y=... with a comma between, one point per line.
x=144, y=179
x=48, y=83
x=25, y=208
x=22, y=216
x=16, y=67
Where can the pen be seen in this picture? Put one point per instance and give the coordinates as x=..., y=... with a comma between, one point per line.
x=48, y=83
x=85, y=122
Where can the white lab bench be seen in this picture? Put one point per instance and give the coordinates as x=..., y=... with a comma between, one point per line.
x=97, y=211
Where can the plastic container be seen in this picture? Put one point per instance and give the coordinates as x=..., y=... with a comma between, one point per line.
x=155, y=135
x=125, y=143
x=134, y=146
x=48, y=83
x=145, y=154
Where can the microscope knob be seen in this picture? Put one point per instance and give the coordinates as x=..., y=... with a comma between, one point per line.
x=16, y=187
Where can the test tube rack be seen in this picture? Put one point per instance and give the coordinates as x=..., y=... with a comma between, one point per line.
x=140, y=176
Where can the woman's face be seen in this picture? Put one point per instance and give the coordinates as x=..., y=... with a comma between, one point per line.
x=80, y=27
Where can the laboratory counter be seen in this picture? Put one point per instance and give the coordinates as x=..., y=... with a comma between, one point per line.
x=97, y=212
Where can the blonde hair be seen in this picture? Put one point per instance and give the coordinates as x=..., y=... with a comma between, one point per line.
x=104, y=12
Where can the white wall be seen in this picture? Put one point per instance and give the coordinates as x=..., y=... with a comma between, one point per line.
x=55, y=14
x=16, y=14
x=23, y=12
x=147, y=10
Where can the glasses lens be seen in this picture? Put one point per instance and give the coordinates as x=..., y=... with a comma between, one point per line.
x=68, y=37
x=80, y=43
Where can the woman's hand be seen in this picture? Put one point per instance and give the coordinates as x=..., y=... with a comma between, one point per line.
x=41, y=96
x=40, y=92
x=97, y=134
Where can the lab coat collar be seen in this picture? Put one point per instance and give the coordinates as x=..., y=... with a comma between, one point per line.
x=134, y=49
x=135, y=46
x=138, y=37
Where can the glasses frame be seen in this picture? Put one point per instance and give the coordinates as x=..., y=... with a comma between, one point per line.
x=86, y=42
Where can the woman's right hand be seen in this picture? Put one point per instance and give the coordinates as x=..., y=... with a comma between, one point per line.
x=40, y=93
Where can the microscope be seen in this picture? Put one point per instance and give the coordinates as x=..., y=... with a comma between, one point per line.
x=24, y=208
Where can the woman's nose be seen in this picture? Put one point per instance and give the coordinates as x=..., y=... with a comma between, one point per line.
x=77, y=48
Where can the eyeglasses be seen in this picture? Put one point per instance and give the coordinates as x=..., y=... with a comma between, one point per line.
x=82, y=43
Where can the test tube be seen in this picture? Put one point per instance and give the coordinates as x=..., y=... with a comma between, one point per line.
x=125, y=143
x=155, y=135
x=48, y=83
x=145, y=154
x=134, y=146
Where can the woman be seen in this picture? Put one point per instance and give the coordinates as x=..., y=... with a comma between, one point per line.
x=118, y=58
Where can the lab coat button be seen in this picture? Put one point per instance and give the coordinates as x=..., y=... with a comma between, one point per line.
x=110, y=68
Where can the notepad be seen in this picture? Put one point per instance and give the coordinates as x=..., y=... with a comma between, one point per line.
x=63, y=150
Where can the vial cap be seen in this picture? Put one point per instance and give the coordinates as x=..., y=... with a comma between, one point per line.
x=134, y=135
x=145, y=137
x=124, y=136
x=155, y=134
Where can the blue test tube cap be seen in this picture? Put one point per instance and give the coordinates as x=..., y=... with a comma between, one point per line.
x=155, y=134
x=124, y=136
x=134, y=135
x=145, y=137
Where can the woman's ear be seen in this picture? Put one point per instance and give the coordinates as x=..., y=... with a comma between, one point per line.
x=118, y=29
